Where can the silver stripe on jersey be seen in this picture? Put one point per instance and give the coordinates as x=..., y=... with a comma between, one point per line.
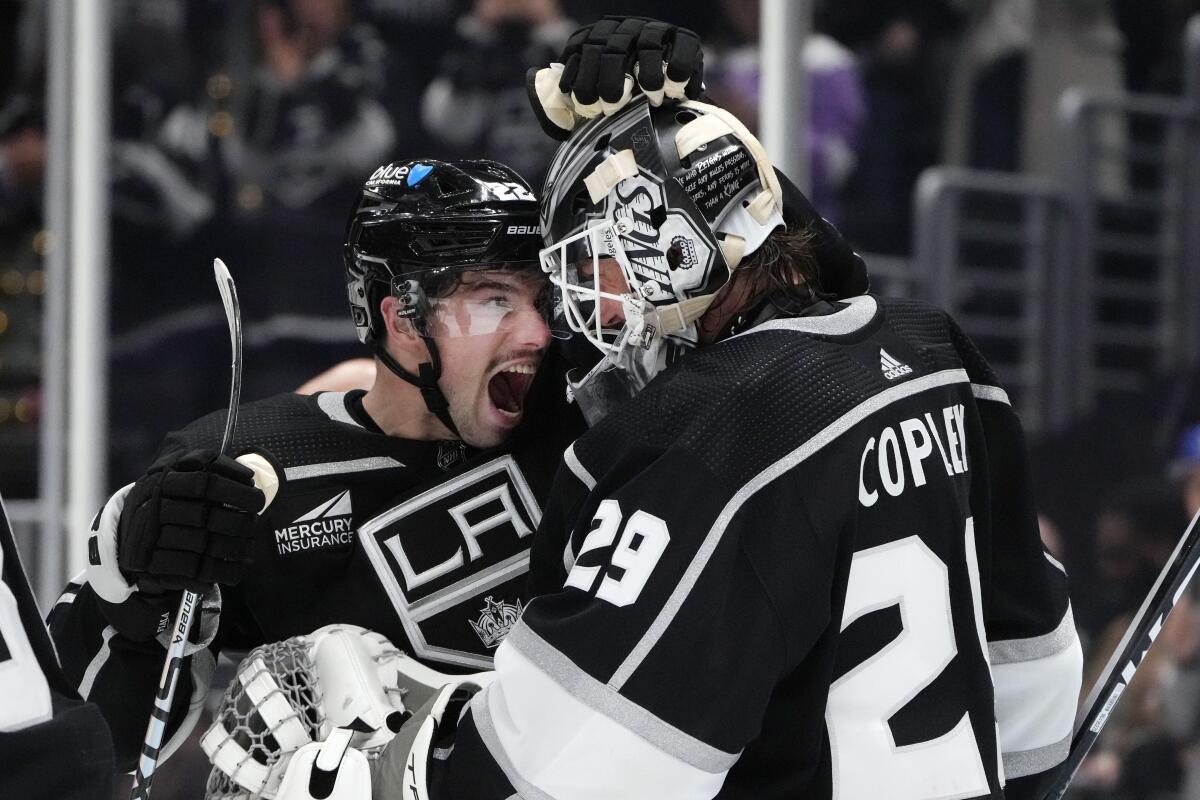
x=577, y=468
x=97, y=663
x=334, y=406
x=712, y=539
x=1055, y=563
x=620, y=709
x=859, y=311
x=341, y=467
x=476, y=584
x=1030, y=762
x=983, y=392
x=1014, y=651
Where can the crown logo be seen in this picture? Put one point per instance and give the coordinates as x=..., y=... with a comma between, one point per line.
x=496, y=620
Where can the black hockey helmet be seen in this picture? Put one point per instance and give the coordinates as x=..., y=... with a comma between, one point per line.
x=418, y=224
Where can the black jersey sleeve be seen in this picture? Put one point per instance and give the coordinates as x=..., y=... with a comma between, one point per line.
x=1034, y=651
x=119, y=671
x=43, y=723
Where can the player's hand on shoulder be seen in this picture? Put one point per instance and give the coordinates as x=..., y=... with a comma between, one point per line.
x=188, y=523
x=605, y=64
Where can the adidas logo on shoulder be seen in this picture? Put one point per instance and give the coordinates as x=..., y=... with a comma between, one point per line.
x=892, y=368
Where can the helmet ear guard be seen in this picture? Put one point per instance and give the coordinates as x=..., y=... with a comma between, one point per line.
x=411, y=302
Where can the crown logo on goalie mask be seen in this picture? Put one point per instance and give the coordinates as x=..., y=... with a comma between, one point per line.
x=496, y=620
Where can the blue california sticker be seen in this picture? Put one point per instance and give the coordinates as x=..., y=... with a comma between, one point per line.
x=418, y=173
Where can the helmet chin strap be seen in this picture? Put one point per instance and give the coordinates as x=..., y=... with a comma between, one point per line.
x=426, y=380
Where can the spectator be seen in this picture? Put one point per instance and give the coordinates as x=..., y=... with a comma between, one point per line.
x=477, y=104
x=1184, y=468
x=837, y=101
x=903, y=48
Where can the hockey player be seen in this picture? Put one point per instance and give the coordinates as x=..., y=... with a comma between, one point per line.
x=43, y=723
x=802, y=562
x=406, y=509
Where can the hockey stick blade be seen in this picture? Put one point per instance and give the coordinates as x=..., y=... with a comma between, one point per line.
x=1170, y=585
x=157, y=727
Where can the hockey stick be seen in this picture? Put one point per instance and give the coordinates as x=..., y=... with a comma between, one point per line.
x=1172, y=582
x=157, y=728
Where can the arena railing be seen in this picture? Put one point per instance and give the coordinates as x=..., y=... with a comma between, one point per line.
x=991, y=248
x=1130, y=168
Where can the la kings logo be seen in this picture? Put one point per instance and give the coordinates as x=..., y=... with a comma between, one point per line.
x=495, y=621
x=328, y=525
x=450, y=557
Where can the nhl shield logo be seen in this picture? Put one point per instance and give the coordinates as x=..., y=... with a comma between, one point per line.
x=495, y=621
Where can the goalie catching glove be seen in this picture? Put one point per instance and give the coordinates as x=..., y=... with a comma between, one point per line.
x=603, y=64
x=306, y=717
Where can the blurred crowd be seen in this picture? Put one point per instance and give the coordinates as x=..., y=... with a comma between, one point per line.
x=242, y=130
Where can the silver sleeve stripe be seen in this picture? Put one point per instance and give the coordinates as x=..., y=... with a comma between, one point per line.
x=1031, y=762
x=341, y=467
x=334, y=406
x=1055, y=563
x=788, y=462
x=610, y=703
x=568, y=558
x=97, y=663
x=577, y=468
x=1012, y=651
x=984, y=392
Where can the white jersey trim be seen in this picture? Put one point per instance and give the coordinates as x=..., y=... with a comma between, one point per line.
x=1035, y=704
x=859, y=311
x=97, y=663
x=709, y=545
x=334, y=406
x=551, y=742
x=577, y=468
x=603, y=699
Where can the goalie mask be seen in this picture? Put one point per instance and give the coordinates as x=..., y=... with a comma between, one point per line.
x=646, y=214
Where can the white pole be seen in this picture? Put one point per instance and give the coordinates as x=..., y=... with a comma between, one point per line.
x=88, y=352
x=52, y=427
x=784, y=27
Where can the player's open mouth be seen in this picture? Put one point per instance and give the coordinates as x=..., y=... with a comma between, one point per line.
x=508, y=387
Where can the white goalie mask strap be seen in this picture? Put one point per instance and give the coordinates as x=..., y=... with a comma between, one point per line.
x=608, y=173
x=752, y=222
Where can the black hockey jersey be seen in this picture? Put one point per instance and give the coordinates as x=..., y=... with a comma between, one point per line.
x=802, y=563
x=425, y=542
x=43, y=723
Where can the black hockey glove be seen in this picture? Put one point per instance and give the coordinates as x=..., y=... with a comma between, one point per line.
x=188, y=523
x=604, y=63
x=841, y=271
